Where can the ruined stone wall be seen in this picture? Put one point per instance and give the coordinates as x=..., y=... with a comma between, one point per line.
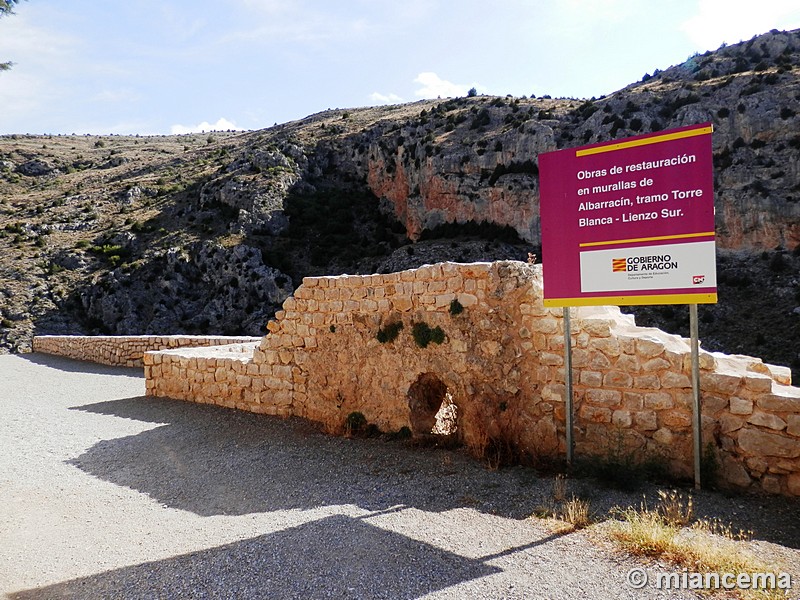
x=500, y=363
x=120, y=350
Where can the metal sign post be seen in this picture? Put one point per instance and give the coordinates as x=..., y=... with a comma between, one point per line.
x=630, y=222
x=568, y=382
x=696, y=414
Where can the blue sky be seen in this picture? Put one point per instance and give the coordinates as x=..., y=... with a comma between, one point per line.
x=172, y=66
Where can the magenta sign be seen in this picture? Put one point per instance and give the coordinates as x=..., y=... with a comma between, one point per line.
x=630, y=221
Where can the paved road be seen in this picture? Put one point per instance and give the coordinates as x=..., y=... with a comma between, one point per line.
x=105, y=493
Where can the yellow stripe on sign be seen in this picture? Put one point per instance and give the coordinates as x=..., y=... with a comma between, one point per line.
x=658, y=238
x=633, y=300
x=667, y=137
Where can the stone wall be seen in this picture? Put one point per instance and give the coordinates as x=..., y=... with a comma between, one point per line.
x=500, y=366
x=124, y=350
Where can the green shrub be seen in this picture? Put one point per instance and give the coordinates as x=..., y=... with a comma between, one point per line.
x=389, y=332
x=424, y=335
x=403, y=433
x=355, y=423
x=456, y=308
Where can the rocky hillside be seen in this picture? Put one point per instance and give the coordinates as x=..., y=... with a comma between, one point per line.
x=209, y=233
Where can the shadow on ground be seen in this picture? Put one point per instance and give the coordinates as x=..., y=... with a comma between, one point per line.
x=215, y=461
x=335, y=557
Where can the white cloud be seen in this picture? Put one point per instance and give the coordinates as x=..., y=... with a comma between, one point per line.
x=221, y=125
x=732, y=21
x=434, y=86
x=378, y=98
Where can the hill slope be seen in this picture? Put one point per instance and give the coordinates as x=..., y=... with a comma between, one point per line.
x=209, y=233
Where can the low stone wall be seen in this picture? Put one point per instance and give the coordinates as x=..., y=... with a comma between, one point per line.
x=497, y=357
x=124, y=350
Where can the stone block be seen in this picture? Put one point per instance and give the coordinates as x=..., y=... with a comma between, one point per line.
x=595, y=414
x=591, y=378
x=580, y=358
x=648, y=347
x=545, y=325
x=710, y=403
x=730, y=423
x=402, y=303
x=655, y=364
x=771, y=484
x=670, y=379
x=658, y=400
x=282, y=371
x=757, y=466
x=467, y=300
x=608, y=346
x=444, y=300
x=617, y=379
x=597, y=328
x=663, y=436
x=787, y=401
x=758, y=383
x=734, y=473
x=647, y=382
x=780, y=374
x=621, y=418
x=783, y=467
x=553, y=392
x=605, y=397
x=598, y=361
x=720, y=383
x=628, y=363
x=633, y=400
x=675, y=419
x=582, y=339
x=755, y=442
x=550, y=359
x=793, y=425
x=767, y=420
x=645, y=420
x=454, y=284
x=740, y=406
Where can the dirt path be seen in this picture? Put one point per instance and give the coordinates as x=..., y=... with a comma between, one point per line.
x=105, y=493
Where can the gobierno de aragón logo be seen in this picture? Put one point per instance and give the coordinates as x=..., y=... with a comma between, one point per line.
x=644, y=264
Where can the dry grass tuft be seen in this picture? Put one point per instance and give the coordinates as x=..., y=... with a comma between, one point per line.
x=560, y=488
x=674, y=508
x=703, y=547
x=575, y=511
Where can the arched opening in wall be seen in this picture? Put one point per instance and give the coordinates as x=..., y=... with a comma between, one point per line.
x=433, y=411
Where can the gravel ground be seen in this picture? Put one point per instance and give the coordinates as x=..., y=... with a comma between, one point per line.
x=105, y=493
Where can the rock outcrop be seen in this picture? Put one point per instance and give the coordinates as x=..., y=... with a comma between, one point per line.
x=199, y=288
